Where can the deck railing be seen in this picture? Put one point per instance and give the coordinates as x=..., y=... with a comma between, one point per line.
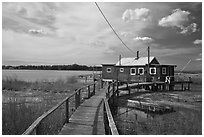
x=110, y=126
x=79, y=95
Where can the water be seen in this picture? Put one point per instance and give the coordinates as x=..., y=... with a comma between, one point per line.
x=40, y=75
x=181, y=121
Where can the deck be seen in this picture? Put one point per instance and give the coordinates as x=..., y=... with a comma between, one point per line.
x=88, y=118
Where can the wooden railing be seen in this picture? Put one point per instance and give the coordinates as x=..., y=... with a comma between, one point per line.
x=36, y=127
x=110, y=126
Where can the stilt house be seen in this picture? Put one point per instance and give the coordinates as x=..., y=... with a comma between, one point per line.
x=138, y=69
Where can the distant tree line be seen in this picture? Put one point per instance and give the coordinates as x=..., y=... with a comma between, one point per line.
x=54, y=67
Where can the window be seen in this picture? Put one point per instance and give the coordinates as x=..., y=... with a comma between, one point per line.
x=140, y=71
x=163, y=70
x=132, y=71
x=153, y=70
x=121, y=69
x=109, y=70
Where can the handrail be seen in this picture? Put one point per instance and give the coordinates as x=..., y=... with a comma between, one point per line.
x=36, y=123
x=111, y=127
x=111, y=123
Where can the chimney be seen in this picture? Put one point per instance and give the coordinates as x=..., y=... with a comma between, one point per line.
x=137, y=54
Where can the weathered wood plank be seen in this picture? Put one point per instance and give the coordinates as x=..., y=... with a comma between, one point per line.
x=88, y=118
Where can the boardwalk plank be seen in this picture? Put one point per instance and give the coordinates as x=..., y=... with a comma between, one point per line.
x=88, y=118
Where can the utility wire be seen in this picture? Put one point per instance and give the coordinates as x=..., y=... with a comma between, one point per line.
x=185, y=65
x=113, y=29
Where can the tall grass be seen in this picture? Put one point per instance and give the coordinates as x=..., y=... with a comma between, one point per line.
x=18, y=115
x=13, y=83
x=60, y=85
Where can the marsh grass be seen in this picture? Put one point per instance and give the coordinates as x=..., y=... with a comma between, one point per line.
x=13, y=83
x=60, y=85
x=19, y=111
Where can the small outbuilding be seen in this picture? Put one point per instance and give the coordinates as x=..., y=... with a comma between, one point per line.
x=138, y=69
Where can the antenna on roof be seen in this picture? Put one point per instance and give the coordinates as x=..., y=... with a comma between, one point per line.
x=119, y=60
x=137, y=54
x=148, y=49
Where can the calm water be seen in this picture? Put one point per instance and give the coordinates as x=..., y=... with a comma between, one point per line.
x=130, y=121
x=39, y=75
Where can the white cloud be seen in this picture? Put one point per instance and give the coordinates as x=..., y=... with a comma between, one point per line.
x=144, y=39
x=197, y=42
x=36, y=31
x=189, y=29
x=198, y=59
x=141, y=14
x=178, y=19
x=126, y=34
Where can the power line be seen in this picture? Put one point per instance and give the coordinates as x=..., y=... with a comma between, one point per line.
x=185, y=65
x=113, y=29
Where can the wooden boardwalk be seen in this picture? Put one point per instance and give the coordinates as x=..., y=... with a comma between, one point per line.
x=88, y=119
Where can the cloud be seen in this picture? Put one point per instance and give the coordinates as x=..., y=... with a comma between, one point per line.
x=189, y=29
x=36, y=31
x=97, y=44
x=126, y=34
x=140, y=14
x=144, y=39
x=197, y=42
x=198, y=59
x=179, y=19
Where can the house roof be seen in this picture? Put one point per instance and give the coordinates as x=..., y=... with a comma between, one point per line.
x=134, y=61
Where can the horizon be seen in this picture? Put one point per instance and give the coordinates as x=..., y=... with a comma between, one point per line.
x=76, y=32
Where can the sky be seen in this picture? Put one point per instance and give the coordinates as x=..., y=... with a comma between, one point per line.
x=68, y=32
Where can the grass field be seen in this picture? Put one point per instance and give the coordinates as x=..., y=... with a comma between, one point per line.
x=23, y=102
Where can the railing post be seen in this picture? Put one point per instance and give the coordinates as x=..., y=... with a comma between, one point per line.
x=67, y=111
x=117, y=89
x=76, y=100
x=113, y=87
x=94, y=88
x=89, y=91
x=108, y=90
x=79, y=97
x=37, y=129
x=101, y=83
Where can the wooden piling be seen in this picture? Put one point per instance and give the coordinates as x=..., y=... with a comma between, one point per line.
x=89, y=94
x=67, y=111
x=189, y=86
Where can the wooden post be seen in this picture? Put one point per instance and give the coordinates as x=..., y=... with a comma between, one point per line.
x=129, y=90
x=67, y=111
x=76, y=100
x=101, y=83
x=113, y=88
x=108, y=90
x=117, y=89
x=113, y=94
x=38, y=129
x=94, y=88
x=89, y=91
x=79, y=99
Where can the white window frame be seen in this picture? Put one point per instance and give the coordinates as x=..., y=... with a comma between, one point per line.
x=163, y=68
x=108, y=70
x=121, y=69
x=155, y=70
x=131, y=71
x=142, y=71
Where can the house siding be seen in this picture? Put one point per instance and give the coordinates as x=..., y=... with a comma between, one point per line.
x=125, y=76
